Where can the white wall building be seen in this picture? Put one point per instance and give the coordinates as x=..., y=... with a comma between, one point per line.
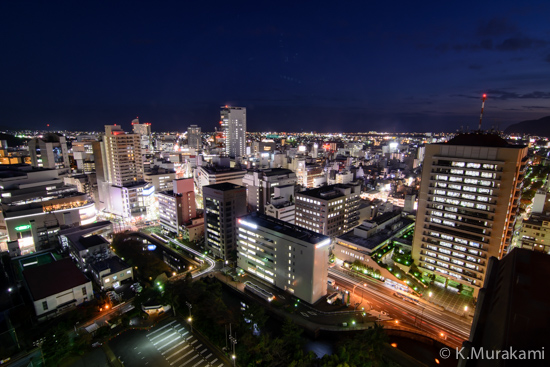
x=288, y=257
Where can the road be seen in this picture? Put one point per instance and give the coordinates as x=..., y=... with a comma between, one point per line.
x=424, y=317
x=169, y=344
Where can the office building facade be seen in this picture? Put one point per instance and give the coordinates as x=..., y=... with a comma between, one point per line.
x=194, y=137
x=260, y=185
x=223, y=203
x=291, y=258
x=233, y=123
x=467, y=205
x=329, y=210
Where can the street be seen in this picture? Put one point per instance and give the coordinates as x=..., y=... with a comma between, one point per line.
x=451, y=328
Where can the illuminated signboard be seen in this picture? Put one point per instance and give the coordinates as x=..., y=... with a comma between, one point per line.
x=23, y=227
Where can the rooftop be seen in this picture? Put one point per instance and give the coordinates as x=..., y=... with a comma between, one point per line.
x=224, y=186
x=285, y=228
x=53, y=278
x=481, y=140
x=114, y=263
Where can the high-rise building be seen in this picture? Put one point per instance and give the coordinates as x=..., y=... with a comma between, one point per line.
x=260, y=185
x=144, y=132
x=330, y=210
x=223, y=203
x=122, y=156
x=177, y=206
x=194, y=137
x=289, y=257
x=49, y=152
x=233, y=123
x=467, y=206
x=119, y=168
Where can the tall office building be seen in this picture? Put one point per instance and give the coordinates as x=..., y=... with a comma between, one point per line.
x=260, y=185
x=223, y=203
x=233, y=123
x=194, y=137
x=330, y=210
x=467, y=206
x=291, y=258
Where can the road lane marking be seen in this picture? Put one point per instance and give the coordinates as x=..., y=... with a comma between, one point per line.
x=177, y=352
x=161, y=334
x=168, y=343
x=169, y=336
x=165, y=326
x=180, y=358
x=189, y=360
x=175, y=346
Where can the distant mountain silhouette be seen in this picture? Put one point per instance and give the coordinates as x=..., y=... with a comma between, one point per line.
x=540, y=127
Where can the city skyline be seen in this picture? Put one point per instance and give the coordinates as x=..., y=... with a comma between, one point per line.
x=294, y=66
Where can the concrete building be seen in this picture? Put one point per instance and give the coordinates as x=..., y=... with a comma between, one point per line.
x=120, y=175
x=329, y=210
x=121, y=152
x=56, y=287
x=535, y=233
x=467, y=207
x=223, y=203
x=49, y=151
x=87, y=244
x=111, y=272
x=260, y=185
x=211, y=175
x=289, y=257
x=144, y=132
x=83, y=154
x=177, y=206
x=511, y=314
x=35, y=205
x=194, y=137
x=233, y=123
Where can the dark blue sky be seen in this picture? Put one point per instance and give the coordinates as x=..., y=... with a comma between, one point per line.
x=296, y=65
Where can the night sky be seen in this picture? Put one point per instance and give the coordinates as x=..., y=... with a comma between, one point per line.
x=297, y=66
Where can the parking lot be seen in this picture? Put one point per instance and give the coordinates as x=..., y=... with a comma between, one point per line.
x=168, y=344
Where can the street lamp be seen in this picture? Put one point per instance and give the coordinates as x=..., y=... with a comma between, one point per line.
x=233, y=341
x=190, y=319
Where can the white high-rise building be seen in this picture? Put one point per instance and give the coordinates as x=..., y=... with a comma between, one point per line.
x=144, y=131
x=122, y=189
x=233, y=121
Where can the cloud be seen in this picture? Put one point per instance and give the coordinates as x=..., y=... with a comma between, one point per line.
x=496, y=27
x=537, y=107
x=520, y=43
x=547, y=58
